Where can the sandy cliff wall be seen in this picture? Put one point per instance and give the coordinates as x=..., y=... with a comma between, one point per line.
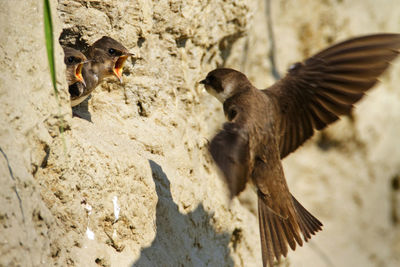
x=144, y=150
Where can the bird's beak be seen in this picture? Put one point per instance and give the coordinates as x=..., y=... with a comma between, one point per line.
x=78, y=73
x=204, y=81
x=119, y=64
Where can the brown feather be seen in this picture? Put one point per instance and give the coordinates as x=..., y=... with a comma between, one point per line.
x=229, y=149
x=328, y=84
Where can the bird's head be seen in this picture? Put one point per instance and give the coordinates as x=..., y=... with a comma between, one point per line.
x=74, y=61
x=224, y=83
x=111, y=55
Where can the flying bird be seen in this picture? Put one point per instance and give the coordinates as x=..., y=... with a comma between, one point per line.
x=264, y=126
x=74, y=60
x=106, y=59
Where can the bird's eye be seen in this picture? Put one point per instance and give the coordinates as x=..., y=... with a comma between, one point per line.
x=70, y=59
x=111, y=51
x=232, y=114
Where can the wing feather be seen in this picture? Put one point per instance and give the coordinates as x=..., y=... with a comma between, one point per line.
x=230, y=151
x=316, y=92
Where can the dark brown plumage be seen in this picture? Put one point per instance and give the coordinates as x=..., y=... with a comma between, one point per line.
x=264, y=126
x=107, y=58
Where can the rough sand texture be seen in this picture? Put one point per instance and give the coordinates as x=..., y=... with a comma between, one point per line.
x=135, y=186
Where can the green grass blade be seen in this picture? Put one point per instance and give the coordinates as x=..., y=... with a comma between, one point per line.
x=48, y=30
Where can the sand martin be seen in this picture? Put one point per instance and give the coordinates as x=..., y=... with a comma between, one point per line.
x=106, y=59
x=264, y=126
x=74, y=60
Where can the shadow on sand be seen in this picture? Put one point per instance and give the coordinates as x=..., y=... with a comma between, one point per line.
x=182, y=239
x=82, y=110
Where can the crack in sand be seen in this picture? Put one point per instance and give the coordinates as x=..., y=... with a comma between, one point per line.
x=15, y=185
x=272, y=51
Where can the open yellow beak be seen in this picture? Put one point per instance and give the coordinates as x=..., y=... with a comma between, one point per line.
x=119, y=64
x=78, y=74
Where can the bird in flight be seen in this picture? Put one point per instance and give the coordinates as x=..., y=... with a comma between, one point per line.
x=264, y=126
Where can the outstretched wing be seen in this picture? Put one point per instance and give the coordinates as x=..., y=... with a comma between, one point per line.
x=315, y=92
x=230, y=151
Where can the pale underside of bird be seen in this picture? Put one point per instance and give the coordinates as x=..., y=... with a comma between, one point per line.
x=264, y=126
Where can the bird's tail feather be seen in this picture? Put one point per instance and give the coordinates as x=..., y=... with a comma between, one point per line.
x=277, y=232
x=309, y=225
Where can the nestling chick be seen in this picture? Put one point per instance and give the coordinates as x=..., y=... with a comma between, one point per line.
x=106, y=59
x=74, y=60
